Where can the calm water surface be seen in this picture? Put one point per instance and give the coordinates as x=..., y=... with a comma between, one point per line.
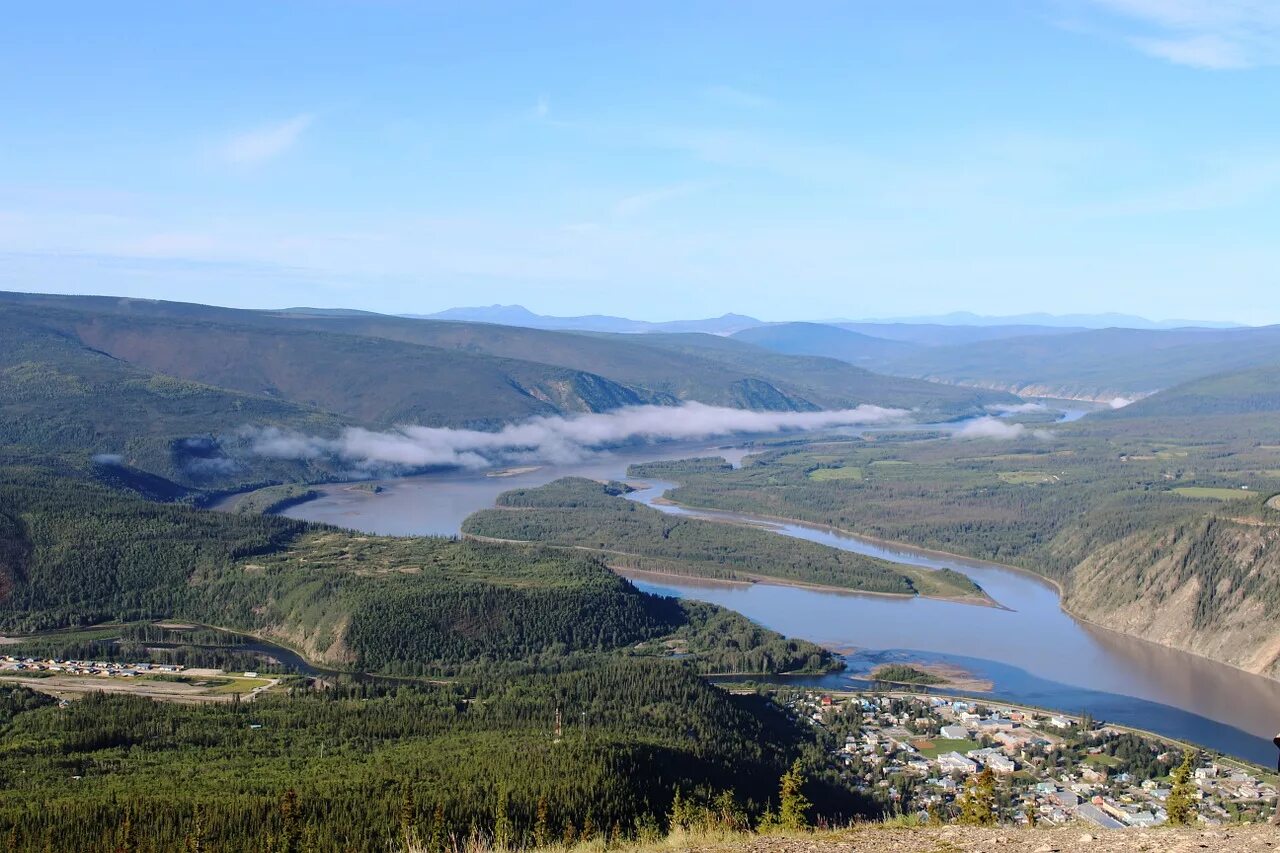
x=1029, y=648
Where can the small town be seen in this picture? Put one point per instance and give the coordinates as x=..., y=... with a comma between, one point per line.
x=106, y=669
x=914, y=752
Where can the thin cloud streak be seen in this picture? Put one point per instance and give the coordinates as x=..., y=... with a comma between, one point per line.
x=265, y=143
x=1210, y=34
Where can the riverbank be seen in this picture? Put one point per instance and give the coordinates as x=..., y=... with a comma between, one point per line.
x=1063, y=595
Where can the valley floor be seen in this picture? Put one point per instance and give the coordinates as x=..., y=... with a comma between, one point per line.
x=953, y=839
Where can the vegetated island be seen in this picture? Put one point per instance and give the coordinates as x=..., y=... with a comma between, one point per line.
x=587, y=515
x=932, y=675
x=900, y=673
x=271, y=499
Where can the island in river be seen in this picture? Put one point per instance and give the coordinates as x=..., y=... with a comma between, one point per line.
x=1029, y=649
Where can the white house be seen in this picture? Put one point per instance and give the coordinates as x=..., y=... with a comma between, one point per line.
x=953, y=761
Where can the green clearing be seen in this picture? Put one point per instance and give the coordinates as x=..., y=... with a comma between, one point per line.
x=888, y=462
x=943, y=583
x=1213, y=493
x=240, y=685
x=1102, y=760
x=1022, y=478
x=823, y=475
x=943, y=745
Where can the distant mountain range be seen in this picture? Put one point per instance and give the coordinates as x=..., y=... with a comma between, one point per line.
x=956, y=327
x=1079, y=321
x=518, y=315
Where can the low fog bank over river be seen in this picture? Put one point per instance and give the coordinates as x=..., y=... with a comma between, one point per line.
x=1032, y=651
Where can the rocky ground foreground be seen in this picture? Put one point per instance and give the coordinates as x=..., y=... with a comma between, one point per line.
x=954, y=839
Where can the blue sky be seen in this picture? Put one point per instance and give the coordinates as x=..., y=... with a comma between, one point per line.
x=657, y=160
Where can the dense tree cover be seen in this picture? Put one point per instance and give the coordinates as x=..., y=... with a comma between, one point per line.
x=582, y=513
x=632, y=734
x=77, y=554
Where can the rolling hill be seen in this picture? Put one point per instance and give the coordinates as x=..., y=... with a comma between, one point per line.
x=1238, y=393
x=1097, y=364
x=379, y=369
x=938, y=334
x=831, y=381
x=826, y=341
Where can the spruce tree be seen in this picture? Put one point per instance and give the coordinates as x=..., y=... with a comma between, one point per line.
x=1181, y=803
x=542, y=824
x=793, y=809
x=502, y=832
x=978, y=805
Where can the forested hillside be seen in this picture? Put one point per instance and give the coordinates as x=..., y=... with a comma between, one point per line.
x=380, y=369
x=358, y=768
x=74, y=553
x=522, y=634
x=1097, y=363
x=1237, y=393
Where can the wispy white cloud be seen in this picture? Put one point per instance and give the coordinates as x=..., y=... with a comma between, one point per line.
x=265, y=143
x=648, y=199
x=542, y=107
x=736, y=97
x=1210, y=34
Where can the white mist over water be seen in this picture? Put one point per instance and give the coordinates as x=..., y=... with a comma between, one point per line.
x=994, y=428
x=558, y=440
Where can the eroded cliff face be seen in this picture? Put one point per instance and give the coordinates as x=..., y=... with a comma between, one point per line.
x=1085, y=393
x=1211, y=587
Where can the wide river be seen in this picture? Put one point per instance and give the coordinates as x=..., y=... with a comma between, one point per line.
x=1029, y=648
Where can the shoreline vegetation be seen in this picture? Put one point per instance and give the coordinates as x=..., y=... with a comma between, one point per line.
x=585, y=514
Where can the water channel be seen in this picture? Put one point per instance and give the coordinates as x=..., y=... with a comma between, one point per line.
x=1031, y=651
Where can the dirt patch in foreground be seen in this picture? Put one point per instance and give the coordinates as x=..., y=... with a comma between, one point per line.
x=1070, y=839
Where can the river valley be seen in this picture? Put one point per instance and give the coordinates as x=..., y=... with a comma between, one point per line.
x=1030, y=650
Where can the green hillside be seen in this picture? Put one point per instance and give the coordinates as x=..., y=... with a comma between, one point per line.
x=57, y=394
x=828, y=381
x=74, y=552
x=521, y=634
x=1101, y=362
x=1242, y=392
x=371, y=381
x=378, y=369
